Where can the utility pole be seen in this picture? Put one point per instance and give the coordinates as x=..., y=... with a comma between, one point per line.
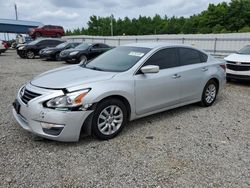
x=111, y=24
x=16, y=11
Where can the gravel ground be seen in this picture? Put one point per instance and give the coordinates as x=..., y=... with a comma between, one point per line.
x=186, y=147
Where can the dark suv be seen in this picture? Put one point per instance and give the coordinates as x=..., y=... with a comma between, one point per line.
x=47, y=31
x=32, y=49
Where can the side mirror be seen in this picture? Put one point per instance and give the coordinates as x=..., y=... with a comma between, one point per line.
x=150, y=69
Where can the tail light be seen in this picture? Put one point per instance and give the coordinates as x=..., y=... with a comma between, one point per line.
x=223, y=66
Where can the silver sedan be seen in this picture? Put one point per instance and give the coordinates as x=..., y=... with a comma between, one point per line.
x=128, y=82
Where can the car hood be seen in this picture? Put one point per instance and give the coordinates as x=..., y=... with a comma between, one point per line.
x=70, y=76
x=238, y=58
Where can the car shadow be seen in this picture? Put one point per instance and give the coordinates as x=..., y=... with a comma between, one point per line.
x=49, y=60
x=130, y=127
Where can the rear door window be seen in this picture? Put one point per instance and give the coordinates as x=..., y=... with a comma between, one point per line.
x=190, y=56
x=166, y=58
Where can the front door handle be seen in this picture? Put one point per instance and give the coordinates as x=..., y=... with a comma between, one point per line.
x=175, y=76
x=204, y=69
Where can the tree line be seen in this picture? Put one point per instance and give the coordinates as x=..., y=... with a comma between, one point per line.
x=221, y=18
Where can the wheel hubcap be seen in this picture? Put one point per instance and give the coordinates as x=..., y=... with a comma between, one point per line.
x=110, y=120
x=210, y=93
x=30, y=55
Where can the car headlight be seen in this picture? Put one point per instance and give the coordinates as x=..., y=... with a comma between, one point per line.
x=74, y=53
x=68, y=101
x=48, y=52
x=20, y=48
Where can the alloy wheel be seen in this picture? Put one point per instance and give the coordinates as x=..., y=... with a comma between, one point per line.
x=30, y=55
x=110, y=120
x=210, y=93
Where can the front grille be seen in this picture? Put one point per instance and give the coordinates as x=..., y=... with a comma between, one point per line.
x=238, y=67
x=234, y=62
x=28, y=95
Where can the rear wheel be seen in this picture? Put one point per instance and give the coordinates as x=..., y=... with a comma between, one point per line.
x=109, y=118
x=58, y=35
x=209, y=93
x=30, y=55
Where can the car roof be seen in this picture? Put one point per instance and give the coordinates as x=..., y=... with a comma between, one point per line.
x=153, y=45
x=41, y=39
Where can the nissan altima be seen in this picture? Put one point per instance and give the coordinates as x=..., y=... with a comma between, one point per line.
x=123, y=84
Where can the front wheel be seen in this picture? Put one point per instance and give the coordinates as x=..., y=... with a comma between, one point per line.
x=109, y=118
x=82, y=59
x=57, y=57
x=30, y=55
x=209, y=93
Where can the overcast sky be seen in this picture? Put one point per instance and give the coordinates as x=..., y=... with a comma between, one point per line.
x=75, y=13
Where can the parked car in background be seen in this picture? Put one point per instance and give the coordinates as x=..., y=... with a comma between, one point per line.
x=84, y=52
x=32, y=49
x=238, y=65
x=54, y=52
x=47, y=31
x=123, y=84
x=6, y=44
x=2, y=47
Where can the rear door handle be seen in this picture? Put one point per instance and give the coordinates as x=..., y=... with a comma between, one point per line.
x=204, y=69
x=175, y=76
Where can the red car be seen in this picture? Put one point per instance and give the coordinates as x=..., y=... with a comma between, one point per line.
x=3, y=46
x=47, y=31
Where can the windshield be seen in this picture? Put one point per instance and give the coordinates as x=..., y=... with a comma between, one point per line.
x=245, y=50
x=83, y=46
x=35, y=42
x=62, y=45
x=118, y=59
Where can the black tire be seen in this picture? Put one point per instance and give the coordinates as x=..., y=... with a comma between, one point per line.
x=58, y=35
x=69, y=61
x=204, y=100
x=30, y=54
x=229, y=80
x=57, y=57
x=83, y=58
x=99, y=109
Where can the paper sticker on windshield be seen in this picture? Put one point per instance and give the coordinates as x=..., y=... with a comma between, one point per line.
x=137, y=54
